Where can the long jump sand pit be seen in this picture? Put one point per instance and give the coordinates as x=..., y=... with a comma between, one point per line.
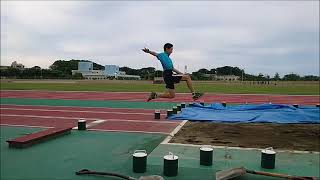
x=302, y=137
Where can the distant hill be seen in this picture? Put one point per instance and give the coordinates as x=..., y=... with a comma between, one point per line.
x=67, y=66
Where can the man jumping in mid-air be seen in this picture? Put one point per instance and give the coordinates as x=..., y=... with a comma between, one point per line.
x=169, y=78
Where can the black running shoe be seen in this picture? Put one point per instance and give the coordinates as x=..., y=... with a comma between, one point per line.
x=196, y=95
x=153, y=95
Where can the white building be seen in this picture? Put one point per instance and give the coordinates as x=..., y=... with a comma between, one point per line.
x=85, y=66
x=94, y=74
x=111, y=71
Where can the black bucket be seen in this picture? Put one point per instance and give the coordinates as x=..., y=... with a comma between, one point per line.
x=169, y=112
x=82, y=124
x=157, y=114
x=224, y=104
x=170, y=165
x=206, y=156
x=268, y=158
x=183, y=105
x=295, y=105
x=317, y=105
x=179, y=107
x=175, y=110
x=139, y=161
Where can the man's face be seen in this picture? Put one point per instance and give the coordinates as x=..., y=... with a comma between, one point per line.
x=169, y=51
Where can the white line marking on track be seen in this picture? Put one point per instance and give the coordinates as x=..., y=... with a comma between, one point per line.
x=241, y=148
x=177, y=129
x=92, y=124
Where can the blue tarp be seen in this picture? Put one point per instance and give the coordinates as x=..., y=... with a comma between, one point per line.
x=249, y=113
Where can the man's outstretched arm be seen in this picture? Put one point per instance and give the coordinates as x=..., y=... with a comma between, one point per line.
x=146, y=50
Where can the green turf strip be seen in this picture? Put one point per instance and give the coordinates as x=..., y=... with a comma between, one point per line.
x=88, y=103
x=291, y=88
x=59, y=158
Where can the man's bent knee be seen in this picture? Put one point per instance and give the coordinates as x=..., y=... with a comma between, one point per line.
x=186, y=77
x=171, y=95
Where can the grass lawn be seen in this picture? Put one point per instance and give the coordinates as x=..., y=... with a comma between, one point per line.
x=136, y=86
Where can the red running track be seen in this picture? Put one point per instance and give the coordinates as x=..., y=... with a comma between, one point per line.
x=80, y=109
x=123, y=120
x=37, y=121
x=82, y=114
x=209, y=98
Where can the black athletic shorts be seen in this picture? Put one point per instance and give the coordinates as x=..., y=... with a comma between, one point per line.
x=170, y=79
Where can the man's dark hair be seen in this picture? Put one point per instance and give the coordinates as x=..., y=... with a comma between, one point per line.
x=167, y=46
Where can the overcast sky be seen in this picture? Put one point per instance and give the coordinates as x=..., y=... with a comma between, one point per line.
x=262, y=36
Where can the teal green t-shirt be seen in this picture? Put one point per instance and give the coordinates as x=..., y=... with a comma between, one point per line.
x=165, y=60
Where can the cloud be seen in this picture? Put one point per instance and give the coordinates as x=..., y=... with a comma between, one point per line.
x=261, y=36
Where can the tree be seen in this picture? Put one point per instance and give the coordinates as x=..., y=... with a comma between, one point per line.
x=204, y=71
x=33, y=73
x=130, y=71
x=310, y=78
x=77, y=76
x=158, y=73
x=11, y=72
x=249, y=77
x=36, y=67
x=228, y=70
x=213, y=71
x=260, y=77
x=267, y=77
x=66, y=67
x=276, y=77
x=291, y=77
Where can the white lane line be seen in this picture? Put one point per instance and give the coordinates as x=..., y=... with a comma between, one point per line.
x=94, y=119
x=92, y=124
x=177, y=129
x=241, y=148
x=77, y=111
